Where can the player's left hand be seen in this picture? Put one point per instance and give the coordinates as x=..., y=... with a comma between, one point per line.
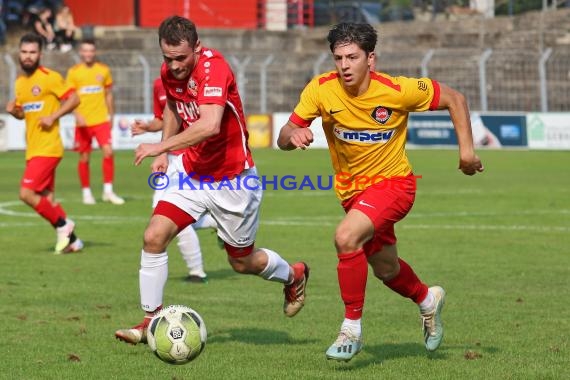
x=46, y=121
x=146, y=150
x=470, y=165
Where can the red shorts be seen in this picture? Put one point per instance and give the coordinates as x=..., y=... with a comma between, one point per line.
x=39, y=174
x=385, y=203
x=84, y=136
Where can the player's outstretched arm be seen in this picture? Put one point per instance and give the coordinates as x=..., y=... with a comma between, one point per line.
x=456, y=104
x=14, y=110
x=138, y=127
x=292, y=137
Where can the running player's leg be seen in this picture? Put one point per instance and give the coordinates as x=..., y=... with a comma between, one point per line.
x=103, y=135
x=236, y=212
x=351, y=234
x=36, y=190
x=395, y=198
x=166, y=222
x=83, y=139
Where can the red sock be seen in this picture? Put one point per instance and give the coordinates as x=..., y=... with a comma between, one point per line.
x=407, y=284
x=352, y=275
x=47, y=211
x=61, y=213
x=108, y=169
x=83, y=170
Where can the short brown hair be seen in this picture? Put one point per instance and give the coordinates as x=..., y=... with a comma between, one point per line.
x=175, y=29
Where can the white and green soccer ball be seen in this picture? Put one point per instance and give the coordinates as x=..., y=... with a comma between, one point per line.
x=177, y=334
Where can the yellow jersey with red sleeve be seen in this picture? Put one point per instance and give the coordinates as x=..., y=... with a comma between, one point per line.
x=39, y=95
x=366, y=134
x=91, y=83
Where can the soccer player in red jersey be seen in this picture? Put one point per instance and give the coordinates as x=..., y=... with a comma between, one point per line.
x=203, y=98
x=188, y=241
x=42, y=97
x=364, y=117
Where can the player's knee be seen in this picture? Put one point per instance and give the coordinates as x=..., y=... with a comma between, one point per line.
x=239, y=264
x=154, y=240
x=25, y=195
x=386, y=271
x=345, y=241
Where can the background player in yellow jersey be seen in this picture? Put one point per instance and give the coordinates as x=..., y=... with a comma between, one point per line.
x=94, y=119
x=364, y=116
x=38, y=94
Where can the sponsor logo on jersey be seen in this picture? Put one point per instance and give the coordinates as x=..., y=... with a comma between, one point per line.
x=367, y=137
x=33, y=106
x=422, y=86
x=189, y=112
x=90, y=89
x=192, y=87
x=381, y=114
x=212, y=91
x=36, y=90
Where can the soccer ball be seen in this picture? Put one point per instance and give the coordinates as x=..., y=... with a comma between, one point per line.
x=177, y=334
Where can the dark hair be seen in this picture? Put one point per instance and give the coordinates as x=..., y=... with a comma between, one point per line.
x=363, y=35
x=89, y=41
x=175, y=29
x=32, y=38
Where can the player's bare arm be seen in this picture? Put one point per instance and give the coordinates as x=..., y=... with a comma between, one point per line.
x=110, y=102
x=206, y=126
x=138, y=127
x=67, y=106
x=456, y=104
x=14, y=110
x=292, y=137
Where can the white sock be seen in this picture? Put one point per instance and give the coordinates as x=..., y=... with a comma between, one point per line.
x=152, y=278
x=205, y=221
x=87, y=192
x=189, y=246
x=277, y=269
x=107, y=187
x=353, y=325
x=427, y=304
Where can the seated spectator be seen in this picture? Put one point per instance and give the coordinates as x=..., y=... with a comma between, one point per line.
x=42, y=26
x=64, y=28
x=2, y=25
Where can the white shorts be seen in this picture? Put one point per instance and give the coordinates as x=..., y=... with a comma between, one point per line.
x=172, y=174
x=235, y=208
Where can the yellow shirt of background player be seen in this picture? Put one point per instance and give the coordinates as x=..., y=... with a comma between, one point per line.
x=91, y=84
x=39, y=95
x=366, y=134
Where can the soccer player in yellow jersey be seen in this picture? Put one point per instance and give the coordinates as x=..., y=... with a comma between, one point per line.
x=364, y=117
x=39, y=92
x=94, y=119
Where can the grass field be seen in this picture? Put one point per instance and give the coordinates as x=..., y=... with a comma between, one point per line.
x=498, y=243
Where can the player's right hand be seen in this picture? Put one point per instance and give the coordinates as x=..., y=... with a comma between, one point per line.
x=11, y=106
x=160, y=164
x=138, y=127
x=301, y=138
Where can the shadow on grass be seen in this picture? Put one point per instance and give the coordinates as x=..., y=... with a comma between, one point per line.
x=215, y=275
x=380, y=353
x=255, y=336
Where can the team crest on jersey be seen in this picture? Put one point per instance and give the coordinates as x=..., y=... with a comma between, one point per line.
x=192, y=87
x=36, y=90
x=381, y=114
x=99, y=78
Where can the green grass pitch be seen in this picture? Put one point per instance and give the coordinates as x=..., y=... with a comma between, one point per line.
x=498, y=242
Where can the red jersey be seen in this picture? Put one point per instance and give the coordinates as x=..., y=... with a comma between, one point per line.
x=159, y=98
x=159, y=102
x=212, y=82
